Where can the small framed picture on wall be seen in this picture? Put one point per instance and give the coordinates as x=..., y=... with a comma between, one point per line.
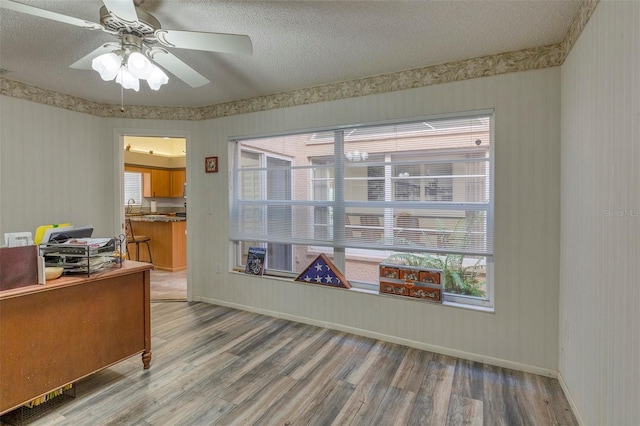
x=211, y=164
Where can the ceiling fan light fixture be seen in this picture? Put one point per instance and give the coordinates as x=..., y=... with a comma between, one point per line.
x=139, y=66
x=127, y=80
x=157, y=78
x=139, y=32
x=107, y=65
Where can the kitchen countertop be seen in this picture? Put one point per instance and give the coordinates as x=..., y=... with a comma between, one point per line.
x=156, y=218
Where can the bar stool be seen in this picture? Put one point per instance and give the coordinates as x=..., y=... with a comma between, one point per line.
x=136, y=239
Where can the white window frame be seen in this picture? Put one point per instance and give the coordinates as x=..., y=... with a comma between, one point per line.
x=340, y=253
x=262, y=160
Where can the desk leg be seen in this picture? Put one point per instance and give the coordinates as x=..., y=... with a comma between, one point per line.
x=146, y=359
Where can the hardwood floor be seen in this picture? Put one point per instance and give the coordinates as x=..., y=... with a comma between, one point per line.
x=213, y=365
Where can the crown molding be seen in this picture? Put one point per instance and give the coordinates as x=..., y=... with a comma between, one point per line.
x=587, y=7
x=521, y=60
x=503, y=63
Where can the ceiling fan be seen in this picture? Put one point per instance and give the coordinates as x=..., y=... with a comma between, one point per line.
x=142, y=41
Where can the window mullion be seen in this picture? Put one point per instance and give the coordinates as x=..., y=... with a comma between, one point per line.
x=263, y=194
x=388, y=197
x=339, y=211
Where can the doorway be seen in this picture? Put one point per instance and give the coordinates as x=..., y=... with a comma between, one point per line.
x=154, y=206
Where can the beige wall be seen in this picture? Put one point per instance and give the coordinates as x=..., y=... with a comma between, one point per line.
x=55, y=166
x=600, y=293
x=523, y=331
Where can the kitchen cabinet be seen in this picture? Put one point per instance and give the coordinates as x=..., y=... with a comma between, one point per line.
x=178, y=179
x=160, y=183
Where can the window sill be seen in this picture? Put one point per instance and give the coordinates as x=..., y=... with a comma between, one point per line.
x=413, y=299
x=376, y=293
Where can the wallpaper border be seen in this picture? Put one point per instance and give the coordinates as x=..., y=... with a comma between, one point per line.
x=502, y=63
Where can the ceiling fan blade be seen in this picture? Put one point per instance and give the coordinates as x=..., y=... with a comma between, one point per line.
x=30, y=10
x=210, y=42
x=123, y=9
x=176, y=67
x=85, y=62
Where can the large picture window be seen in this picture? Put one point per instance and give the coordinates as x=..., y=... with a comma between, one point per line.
x=420, y=191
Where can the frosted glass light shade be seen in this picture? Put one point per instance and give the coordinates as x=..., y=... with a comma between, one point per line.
x=127, y=80
x=136, y=67
x=157, y=78
x=139, y=66
x=107, y=65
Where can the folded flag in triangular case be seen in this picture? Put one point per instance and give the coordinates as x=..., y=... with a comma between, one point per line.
x=322, y=271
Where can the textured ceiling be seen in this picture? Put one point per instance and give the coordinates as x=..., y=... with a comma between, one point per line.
x=296, y=44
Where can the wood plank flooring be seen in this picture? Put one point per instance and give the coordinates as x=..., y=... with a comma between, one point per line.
x=213, y=365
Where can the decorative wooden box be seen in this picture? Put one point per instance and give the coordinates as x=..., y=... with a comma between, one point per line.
x=394, y=288
x=426, y=292
x=411, y=281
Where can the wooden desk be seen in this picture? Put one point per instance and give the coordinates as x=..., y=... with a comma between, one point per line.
x=55, y=334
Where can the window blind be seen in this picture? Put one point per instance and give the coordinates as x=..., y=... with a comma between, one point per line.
x=424, y=185
x=133, y=188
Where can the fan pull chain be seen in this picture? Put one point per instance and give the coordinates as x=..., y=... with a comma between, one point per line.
x=121, y=98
